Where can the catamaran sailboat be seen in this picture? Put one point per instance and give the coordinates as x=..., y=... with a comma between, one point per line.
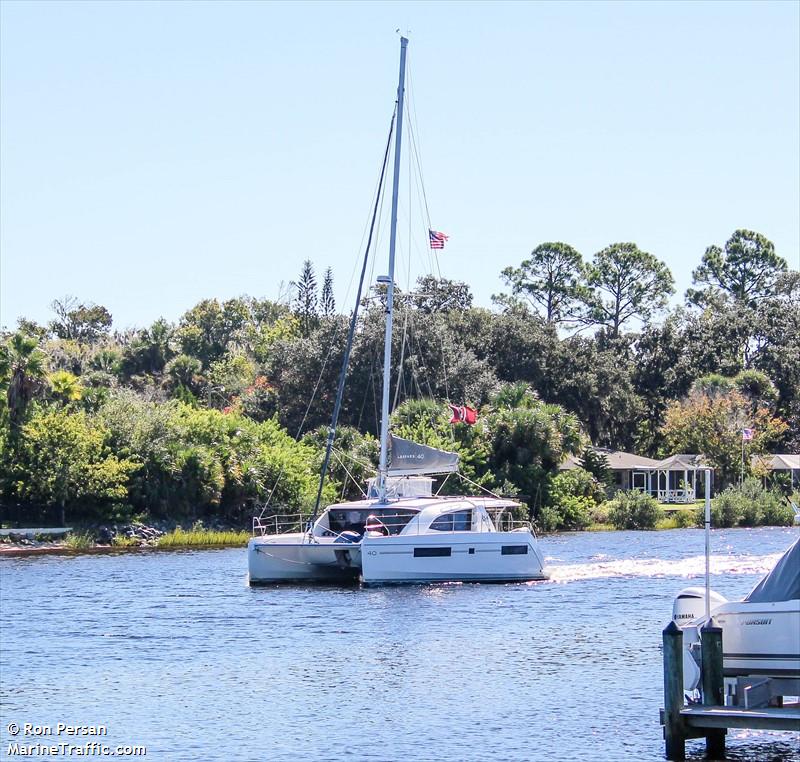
x=401, y=531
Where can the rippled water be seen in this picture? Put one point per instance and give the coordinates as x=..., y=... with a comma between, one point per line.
x=175, y=652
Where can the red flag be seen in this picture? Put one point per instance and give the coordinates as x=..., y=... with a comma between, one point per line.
x=464, y=414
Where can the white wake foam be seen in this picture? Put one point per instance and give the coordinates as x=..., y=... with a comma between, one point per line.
x=692, y=566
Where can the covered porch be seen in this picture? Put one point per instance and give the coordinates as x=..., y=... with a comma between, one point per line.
x=678, y=479
x=780, y=463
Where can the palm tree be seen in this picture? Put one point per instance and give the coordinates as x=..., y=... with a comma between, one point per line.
x=23, y=364
x=65, y=387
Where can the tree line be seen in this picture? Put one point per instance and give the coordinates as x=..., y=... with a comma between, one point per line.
x=206, y=415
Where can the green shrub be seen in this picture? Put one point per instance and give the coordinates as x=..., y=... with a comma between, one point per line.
x=599, y=514
x=79, y=540
x=575, y=512
x=577, y=482
x=570, y=513
x=726, y=509
x=121, y=541
x=749, y=505
x=777, y=513
x=684, y=519
x=634, y=510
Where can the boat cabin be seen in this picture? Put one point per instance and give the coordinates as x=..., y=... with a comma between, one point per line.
x=349, y=522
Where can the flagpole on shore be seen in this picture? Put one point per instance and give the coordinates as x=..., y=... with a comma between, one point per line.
x=707, y=525
x=747, y=436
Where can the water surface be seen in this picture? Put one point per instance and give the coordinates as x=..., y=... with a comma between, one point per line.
x=173, y=650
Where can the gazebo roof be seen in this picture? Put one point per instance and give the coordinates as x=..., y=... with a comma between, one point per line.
x=681, y=463
x=779, y=461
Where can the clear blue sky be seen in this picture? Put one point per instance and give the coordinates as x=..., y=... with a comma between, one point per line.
x=154, y=154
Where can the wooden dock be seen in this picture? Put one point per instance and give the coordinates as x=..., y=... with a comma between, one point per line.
x=762, y=709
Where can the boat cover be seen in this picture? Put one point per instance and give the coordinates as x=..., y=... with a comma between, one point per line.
x=408, y=458
x=783, y=582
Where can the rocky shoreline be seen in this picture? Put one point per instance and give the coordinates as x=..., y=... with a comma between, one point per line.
x=104, y=538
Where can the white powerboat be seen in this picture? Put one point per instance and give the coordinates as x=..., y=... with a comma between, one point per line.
x=400, y=531
x=760, y=633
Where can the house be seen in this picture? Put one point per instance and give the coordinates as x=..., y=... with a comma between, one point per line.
x=780, y=463
x=672, y=480
x=628, y=471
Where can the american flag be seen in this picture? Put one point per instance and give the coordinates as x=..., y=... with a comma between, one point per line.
x=437, y=239
x=747, y=434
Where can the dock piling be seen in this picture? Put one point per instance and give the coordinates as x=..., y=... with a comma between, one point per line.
x=674, y=726
x=713, y=686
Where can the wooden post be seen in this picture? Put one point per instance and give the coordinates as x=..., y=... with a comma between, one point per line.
x=674, y=727
x=713, y=684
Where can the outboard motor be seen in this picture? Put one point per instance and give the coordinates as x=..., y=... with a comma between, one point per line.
x=688, y=609
x=690, y=604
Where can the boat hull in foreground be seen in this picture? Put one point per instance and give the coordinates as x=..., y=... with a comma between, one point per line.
x=760, y=638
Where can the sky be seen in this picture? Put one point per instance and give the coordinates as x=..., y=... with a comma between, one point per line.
x=155, y=154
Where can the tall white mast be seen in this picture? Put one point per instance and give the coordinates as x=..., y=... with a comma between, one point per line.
x=387, y=347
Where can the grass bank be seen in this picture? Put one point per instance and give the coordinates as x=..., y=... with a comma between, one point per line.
x=202, y=538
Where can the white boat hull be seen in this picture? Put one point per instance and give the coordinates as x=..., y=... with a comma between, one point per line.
x=290, y=557
x=454, y=558
x=760, y=638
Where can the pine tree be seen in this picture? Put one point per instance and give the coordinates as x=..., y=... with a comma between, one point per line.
x=327, y=300
x=306, y=299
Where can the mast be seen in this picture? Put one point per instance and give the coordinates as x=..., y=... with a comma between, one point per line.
x=387, y=346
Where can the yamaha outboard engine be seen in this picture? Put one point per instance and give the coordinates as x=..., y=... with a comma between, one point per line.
x=690, y=603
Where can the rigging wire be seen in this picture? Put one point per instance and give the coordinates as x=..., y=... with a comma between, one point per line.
x=351, y=333
x=413, y=126
x=378, y=198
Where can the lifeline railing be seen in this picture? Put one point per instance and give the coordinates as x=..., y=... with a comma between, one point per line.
x=505, y=522
x=280, y=523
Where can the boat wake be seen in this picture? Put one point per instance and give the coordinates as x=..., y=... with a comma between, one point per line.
x=601, y=567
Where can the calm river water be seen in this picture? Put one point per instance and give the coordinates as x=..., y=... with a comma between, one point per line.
x=175, y=652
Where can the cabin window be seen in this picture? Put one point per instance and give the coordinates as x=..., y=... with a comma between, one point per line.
x=514, y=550
x=457, y=521
x=431, y=552
x=354, y=519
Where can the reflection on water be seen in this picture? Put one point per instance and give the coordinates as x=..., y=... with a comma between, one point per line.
x=176, y=652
